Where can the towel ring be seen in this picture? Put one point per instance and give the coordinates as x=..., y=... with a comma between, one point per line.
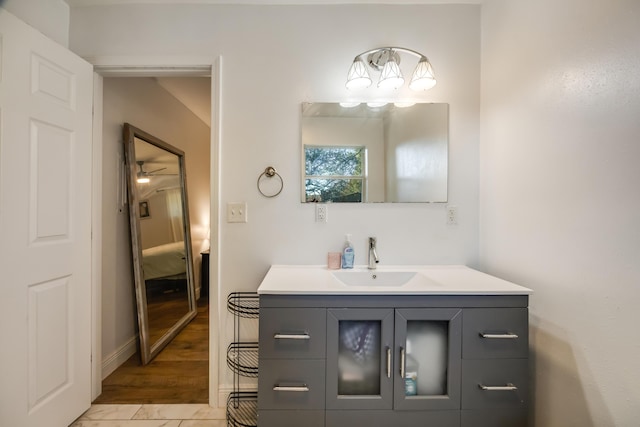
x=270, y=172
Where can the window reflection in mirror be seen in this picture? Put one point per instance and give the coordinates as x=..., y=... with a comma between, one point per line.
x=334, y=174
x=381, y=154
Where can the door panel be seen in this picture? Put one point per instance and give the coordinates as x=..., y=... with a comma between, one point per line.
x=49, y=370
x=51, y=164
x=359, y=353
x=45, y=224
x=428, y=350
x=51, y=80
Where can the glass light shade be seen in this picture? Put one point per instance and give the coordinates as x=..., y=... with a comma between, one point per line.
x=143, y=180
x=391, y=76
x=376, y=104
x=423, y=77
x=358, y=77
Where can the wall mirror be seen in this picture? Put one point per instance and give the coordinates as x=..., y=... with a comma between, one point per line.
x=160, y=239
x=363, y=154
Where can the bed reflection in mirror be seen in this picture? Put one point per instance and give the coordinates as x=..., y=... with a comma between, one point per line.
x=161, y=241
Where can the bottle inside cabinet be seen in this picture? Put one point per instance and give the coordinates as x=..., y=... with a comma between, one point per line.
x=426, y=358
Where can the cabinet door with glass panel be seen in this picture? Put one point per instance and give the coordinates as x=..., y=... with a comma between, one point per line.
x=359, y=359
x=428, y=350
x=403, y=359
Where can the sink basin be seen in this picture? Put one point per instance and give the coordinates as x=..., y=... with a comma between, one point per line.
x=374, y=277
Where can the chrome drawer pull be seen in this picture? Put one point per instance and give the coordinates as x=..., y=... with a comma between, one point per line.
x=508, y=387
x=303, y=336
x=507, y=336
x=403, y=362
x=298, y=389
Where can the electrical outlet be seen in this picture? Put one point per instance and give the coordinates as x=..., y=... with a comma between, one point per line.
x=321, y=212
x=237, y=212
x=452, y=215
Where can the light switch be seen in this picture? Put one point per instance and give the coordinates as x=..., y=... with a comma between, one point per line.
x=237, y=212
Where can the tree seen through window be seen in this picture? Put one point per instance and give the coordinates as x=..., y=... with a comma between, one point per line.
x=334, y=174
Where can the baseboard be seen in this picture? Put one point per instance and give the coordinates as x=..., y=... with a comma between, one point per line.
x=118, y=357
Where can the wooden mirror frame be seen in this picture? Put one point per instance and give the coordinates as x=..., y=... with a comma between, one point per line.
x=148, y=349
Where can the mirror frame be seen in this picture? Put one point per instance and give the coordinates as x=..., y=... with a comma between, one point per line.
x=150, y=350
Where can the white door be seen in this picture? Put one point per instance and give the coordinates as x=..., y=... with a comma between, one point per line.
x=45, y=229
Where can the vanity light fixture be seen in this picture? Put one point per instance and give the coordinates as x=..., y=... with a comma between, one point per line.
x=386, y=60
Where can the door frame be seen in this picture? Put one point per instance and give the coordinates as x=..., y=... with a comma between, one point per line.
x=156, y=66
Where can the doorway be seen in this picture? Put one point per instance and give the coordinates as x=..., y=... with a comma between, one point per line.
x=178, y=375
x=195, y=343
x=176, y=110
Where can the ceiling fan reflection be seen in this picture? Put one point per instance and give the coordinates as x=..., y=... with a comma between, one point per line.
x=143, y=176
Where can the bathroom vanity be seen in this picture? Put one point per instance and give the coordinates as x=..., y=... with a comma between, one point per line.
x=403, y=346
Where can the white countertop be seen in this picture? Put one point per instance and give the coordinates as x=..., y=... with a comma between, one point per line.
x=428, y=280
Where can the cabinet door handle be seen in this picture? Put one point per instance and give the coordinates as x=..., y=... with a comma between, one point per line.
x=388, y=362
x=303, y=336
x=507, y=336
x=508, y=387
x=295, y=388
x=403, y=359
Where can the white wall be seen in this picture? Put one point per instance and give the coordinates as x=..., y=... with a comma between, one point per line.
x=156, y=229
x=560, y=196
x=274, y=58
x=147, y=106
x=50, y=17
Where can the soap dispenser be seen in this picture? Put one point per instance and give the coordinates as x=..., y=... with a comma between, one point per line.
x=348, y=254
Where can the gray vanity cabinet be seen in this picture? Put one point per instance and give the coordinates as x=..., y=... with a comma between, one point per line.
x=371, y=351
x=291, y=372
x=495, y=367
x=388, y=334
x=446, y=361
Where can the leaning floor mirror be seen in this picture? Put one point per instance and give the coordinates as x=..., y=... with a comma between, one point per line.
x=160, y=239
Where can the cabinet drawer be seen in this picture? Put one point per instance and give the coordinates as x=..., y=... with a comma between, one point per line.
x=393, y=418
x=486, y=383
x=291, y=418
x=291, y=384
x=495, y=333
x=509, y=417
x=296, y=333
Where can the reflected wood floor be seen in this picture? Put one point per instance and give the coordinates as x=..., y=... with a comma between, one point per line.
x=179, y=374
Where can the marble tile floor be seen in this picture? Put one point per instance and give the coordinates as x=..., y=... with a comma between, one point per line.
x=187, y=415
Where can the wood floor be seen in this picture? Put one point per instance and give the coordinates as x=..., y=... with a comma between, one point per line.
x=179, y=374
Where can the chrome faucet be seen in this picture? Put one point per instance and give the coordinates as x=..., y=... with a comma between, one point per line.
x=373, y=254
